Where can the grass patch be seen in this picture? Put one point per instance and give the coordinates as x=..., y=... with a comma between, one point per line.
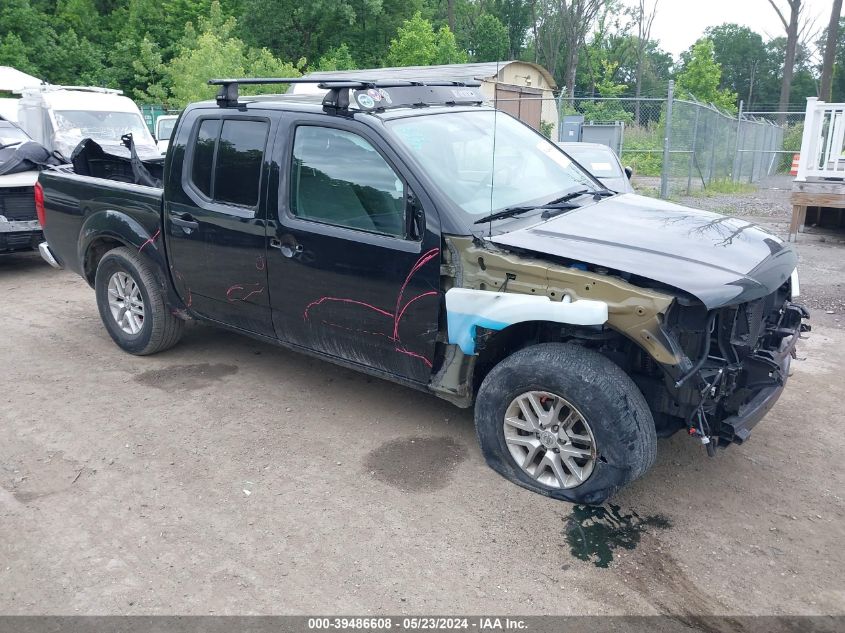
x=724, y=186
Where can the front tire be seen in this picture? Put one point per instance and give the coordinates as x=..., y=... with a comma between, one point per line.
x=566, y=422
x=131, y=303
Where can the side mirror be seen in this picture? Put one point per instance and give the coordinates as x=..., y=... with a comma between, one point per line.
x=415, y=216
x=629, y=171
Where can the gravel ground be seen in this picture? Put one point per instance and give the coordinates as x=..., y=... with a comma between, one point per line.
x=229, y=477
x=769, y=200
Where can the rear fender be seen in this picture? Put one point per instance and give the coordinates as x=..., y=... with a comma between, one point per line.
x=114, y=227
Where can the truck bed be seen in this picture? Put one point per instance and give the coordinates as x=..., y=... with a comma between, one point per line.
x=80, y=209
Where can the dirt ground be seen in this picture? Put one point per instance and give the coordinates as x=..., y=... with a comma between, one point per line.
x=229, y=477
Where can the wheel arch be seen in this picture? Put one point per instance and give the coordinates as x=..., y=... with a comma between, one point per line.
x=493, y=346
x=105, y=230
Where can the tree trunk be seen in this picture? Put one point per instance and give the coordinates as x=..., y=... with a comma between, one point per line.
x=830, y=52
x=450, y=12
x=791, y=26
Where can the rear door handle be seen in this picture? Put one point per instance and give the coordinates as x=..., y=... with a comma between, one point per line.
x=186, y=221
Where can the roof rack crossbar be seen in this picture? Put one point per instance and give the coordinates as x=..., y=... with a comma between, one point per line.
x=227, y=97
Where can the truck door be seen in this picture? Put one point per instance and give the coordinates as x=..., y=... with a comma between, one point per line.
x=214, y=217
x=348, y=275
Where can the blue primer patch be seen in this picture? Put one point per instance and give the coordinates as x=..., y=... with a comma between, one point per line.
x=462, y=329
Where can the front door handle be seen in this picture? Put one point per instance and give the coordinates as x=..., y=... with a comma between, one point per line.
x=287, y=250
x=186, y=221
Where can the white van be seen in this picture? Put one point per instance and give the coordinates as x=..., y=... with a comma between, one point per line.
x=59, y=117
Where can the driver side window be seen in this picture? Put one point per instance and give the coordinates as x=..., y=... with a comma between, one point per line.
x=339, y=178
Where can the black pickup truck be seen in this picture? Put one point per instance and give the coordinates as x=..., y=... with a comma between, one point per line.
x=409, y=231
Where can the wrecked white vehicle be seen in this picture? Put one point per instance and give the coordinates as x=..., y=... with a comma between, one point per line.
x=406, y=230
x=20, y=161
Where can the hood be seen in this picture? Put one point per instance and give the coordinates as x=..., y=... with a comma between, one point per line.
x=718, y=259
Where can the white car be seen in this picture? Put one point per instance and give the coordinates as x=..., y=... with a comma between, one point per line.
x=19, y=227
x=601, y=161
x=164, y=128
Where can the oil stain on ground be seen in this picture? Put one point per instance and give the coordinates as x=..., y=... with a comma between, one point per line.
x=185, y=377
x=418, y=464
x=593, y=532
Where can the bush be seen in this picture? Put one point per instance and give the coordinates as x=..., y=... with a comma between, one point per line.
x=642, y=149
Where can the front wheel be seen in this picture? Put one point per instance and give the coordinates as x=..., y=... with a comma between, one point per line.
x=566, y=422
x=132, y=306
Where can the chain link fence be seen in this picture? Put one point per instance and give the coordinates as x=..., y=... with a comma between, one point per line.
x=680, y=145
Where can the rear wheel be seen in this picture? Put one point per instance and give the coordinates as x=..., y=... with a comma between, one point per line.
x=566, y=422
x=131, y=303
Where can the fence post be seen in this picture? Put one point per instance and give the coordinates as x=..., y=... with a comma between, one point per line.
x=713, y=136
x=692, y=150
x=559, y=105
x=737, y=154
x=667, y=140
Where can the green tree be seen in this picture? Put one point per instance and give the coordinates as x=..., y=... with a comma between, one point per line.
x=741, y=54
x=489, y=39
x=416, y=44
x=13, y=53
x=74, y=60
x=80, y=15
x=150, y=74
x=609, y=108
x=700, y=77
x=517, y=17
x=337, y=59
x=447, y=48
x=26, y=37
x=213, y=51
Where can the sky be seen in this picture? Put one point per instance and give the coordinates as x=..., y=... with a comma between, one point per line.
x=680, y=22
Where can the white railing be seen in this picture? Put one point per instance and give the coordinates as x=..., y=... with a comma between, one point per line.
x=823, y=143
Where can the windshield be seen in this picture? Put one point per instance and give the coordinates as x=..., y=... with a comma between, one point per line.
x=165, y=128
x=11, y=134
x=102, y=126
x=601, y=162
x=457, y=151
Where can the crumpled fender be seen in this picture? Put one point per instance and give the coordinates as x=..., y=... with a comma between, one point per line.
x=466, y=309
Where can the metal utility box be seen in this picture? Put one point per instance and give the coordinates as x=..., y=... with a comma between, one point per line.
x=570, y=128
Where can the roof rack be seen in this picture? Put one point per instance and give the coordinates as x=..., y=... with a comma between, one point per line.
x=364, y=94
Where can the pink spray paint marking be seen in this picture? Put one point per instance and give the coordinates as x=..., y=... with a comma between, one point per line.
x=187, y=289
x=259, y=262
x=151, y=240
x=322, y=300
x=402, y=350
x=396, y=315
x=232, y=294
x=398, y=318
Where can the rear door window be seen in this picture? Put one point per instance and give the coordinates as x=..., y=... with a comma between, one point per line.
x=203, y=161
x=227, y=160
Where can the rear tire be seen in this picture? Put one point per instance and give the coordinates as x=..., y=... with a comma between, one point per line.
x=566, y=422
x=131, y=302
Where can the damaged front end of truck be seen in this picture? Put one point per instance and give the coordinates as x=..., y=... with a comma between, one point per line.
x=707, y=369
